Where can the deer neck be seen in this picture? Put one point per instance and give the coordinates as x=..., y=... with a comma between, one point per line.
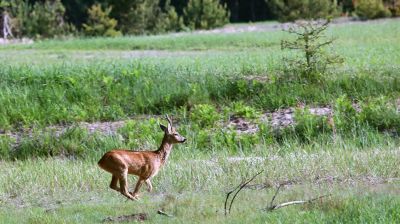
x=164, y=150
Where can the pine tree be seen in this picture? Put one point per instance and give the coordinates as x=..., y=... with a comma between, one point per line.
x=205, y=14
x=99, y=22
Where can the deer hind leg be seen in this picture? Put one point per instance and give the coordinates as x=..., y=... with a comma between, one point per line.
x=123, y=182
x=137, y=187
x=149, y=186
x=113, y=184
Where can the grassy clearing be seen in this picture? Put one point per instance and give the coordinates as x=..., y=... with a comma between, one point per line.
x=382, y=31
x=164, y=42
x=205, y=208
x=191, y=187
x=48, y=177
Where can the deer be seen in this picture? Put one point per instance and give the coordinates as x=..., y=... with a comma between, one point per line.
x=144, y=164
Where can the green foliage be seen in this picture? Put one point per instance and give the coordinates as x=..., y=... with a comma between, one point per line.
x=205, y=115
x=205, y=14
x=380, y=113
x=309, y=126
x=393, y=6
x=288, y=10
x=310, y=41
x=46, y=20
x=204, y=139
x=345, y=116
x=241, y=110
x=46, y=144
x=172, y=21
x=6, y=145
x=73, y=142
x=71, y=92
x=146, y=17
x=141, y=134
x=41, y=20
x=47, y=87
x=99, y=22
x=371, y=9
x=18, y=10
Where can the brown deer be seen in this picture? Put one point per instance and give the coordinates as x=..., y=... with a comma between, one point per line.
x=144, y=164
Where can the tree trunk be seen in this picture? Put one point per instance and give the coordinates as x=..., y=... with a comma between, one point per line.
x=6, y=25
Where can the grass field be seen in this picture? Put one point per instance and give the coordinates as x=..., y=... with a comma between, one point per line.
x=205, y=81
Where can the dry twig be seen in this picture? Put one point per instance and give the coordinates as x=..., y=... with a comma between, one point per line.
x=236, y=190
x=228, y=204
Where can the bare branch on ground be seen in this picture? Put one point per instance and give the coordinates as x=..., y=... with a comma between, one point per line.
x=236, y=191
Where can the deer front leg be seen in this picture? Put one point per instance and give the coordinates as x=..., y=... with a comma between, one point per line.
x=149, y=186
x=137, y=187
x=113, y=184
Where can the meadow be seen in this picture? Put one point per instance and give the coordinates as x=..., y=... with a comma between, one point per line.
x=205, y=81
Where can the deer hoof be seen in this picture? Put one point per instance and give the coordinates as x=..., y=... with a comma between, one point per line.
x=135, y=196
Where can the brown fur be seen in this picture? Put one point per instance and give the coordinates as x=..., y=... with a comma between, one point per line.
x=144, y=164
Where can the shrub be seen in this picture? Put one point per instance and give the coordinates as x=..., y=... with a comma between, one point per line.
x=99, y=22
x=241, y=110
x=205, y=14
x=204, y=139
x=380, y=114
x=345, y=116
x=393, y=6
x=288, y=10
x=205, y=115
x=371, y=9
x=141, y=134
x=310, y=126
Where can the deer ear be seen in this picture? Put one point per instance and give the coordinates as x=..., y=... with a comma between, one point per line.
x=165, y=129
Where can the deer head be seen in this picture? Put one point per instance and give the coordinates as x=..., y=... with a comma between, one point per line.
x=170, y=134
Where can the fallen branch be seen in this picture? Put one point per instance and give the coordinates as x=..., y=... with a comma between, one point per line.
x=236, y=190
x=276, y=193
x=278, y=206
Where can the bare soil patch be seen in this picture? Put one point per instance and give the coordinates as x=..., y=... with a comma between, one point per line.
x=139, y=217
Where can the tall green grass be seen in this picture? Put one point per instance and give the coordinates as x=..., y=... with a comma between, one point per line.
x=72, y=92
x=60, y=86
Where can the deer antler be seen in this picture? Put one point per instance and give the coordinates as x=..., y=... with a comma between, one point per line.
x=168, y=119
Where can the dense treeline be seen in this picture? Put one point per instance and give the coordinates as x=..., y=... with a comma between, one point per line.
x=52, y=18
